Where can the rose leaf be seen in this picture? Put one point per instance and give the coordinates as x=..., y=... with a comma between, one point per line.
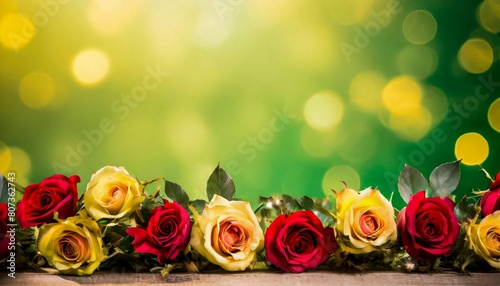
x=198, y=205
x=410, y=182
x=444, y=179
x=220, y=183
x=463, y=210
x=176, y=192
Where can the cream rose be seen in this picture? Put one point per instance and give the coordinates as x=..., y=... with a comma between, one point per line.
x=72, y=246
x=112, y=193
x=227, y=233
x=484, y=238
x=365, y=220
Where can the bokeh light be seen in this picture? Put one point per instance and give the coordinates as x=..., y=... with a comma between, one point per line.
x=494, y=115
x=16, y=31
x=5, y=158
x=475, y=56
x=402, y=95
x=419, y=27
x=365, y=90
x=417, y=61
x=436, y=101
x=21, y=165
x=489, y=15
x=412, y=125
x=324, y=110
x=90, y=67
x=363, y=84
x=8, y=6
x=472, y=148
x=36, y=90
x=332, y=180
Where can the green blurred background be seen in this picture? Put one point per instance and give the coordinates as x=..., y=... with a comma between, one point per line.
x=289, y=96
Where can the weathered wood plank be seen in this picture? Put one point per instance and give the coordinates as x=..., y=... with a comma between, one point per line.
x=259, y=278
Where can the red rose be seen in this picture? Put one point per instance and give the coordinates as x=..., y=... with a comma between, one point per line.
x=54, y=194
x=490, y=202
x=428, y=227
x=167, y=234
x=298, y=242
x=4, y=238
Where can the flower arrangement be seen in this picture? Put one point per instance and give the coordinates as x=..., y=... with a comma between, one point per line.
x=117, y=225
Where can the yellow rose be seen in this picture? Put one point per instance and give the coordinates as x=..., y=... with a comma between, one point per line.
x=72, y=246
x=365, y=220
x=484, y=238
x=227, y=233
x=112, y=193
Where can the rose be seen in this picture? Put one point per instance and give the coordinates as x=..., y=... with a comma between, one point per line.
x=365, y=220
x=4, y=238
x=227, y=233
x=490, y=202
x=428, y=227
x=112, y=193
x=57, y=193
x=167, y=234
x=484, y=238
x=73, y=246
x=298, y=242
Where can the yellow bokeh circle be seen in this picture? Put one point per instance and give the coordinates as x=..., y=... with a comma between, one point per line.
x=475, y=56
x=472, y=148
x=402, y=95
x=365, y=90
x=412, y=125
x=324, y=110
x=419, y=27
x=16, y=31
x=436, y=101
x=90, y=67
x=5, y=158
x=494, y=115
x=489, y=16
x=332, y=180
x=36, y=90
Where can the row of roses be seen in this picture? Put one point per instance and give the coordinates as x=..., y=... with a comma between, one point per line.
x=229, y=234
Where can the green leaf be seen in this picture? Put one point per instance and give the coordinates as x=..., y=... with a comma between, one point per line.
x=198, y=205
x=289, y=204
x=220, y=183
x=464, y=210
x=306, y=202
x=176, y=192
x=444, y=179
x=410, y=182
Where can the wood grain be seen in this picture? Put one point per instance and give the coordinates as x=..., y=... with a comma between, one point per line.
x=258, y=278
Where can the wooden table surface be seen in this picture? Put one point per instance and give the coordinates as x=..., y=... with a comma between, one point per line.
x=257, y=278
